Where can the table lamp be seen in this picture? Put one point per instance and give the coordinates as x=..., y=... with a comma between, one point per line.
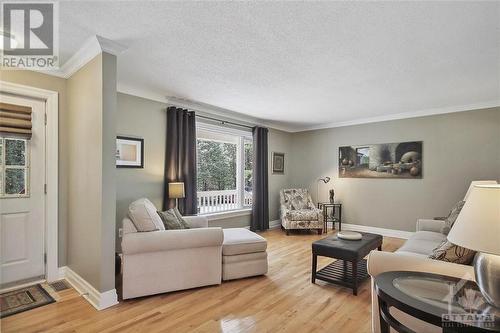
x=176, y=191
x=478, y=228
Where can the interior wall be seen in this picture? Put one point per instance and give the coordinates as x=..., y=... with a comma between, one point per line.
x=457, y=148
x=48, y=82
x=108, y=208
x=143, y=118
x=91, y=103
x=279, y=142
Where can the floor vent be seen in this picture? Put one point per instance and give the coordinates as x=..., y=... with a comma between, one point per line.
x=59, y=285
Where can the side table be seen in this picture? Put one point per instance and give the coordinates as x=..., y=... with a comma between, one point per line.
x=336, y=216
x=451, y=303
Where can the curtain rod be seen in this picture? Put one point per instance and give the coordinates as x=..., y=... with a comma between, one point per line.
x=223, y=121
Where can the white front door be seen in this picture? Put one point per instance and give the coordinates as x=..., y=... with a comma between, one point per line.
x=22, y=199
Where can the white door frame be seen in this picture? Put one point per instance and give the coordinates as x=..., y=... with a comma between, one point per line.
x=51, y=162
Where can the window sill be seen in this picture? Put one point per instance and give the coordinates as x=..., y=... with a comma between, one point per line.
x=227, y=214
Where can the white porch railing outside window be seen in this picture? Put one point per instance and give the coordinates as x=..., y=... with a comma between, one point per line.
x=219, y=201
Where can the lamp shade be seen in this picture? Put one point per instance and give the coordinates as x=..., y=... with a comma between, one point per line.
x=478, y=224
x=176, y=190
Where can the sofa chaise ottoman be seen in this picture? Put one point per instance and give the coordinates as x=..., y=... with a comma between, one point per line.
x=243, y=254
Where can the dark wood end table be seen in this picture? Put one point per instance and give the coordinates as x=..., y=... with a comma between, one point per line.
x=454, y=304
x=350, y=268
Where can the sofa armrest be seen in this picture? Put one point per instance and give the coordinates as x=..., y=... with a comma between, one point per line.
x=380, y=262
x=166, y=240
x=196, y=221
x=430, y=225
x=283, y=212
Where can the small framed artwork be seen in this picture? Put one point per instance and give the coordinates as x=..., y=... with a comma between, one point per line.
x=129, y=152
x=279, y=163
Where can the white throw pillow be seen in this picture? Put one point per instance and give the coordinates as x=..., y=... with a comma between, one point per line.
x=143, y=214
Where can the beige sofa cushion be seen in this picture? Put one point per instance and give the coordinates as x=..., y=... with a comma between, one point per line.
x=422, y=242
x=128, y=226
x=244, y=257
x=171, y=240
x=241, y=241
x=143, y=214
x=242, y=269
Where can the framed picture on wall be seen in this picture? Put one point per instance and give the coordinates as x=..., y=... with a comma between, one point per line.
x=278, y=163
x=383, y=160
x=129, y=152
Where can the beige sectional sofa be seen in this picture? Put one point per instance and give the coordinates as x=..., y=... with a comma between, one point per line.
x=243, y=254
x=168, y=260
x=162, y=261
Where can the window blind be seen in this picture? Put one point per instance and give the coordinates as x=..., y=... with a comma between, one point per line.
x=15, y=119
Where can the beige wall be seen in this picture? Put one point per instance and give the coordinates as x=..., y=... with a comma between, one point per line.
x=91, y=171
x=142, y=118
x=457, y=148
x=108, y=208
x=280, y=142
x=52, y=83
x=146, y=119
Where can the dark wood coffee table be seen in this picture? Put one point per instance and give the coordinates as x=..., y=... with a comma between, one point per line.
x=350, y=268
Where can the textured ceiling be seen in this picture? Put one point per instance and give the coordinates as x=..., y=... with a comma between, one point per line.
x=301, y=64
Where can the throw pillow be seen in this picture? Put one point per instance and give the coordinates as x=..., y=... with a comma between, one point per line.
x=142, y=212
x=170, y=220
x=450, y=252
x=180, y=218
x=452, y=217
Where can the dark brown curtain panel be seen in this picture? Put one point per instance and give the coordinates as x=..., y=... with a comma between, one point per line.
x=180, y=158
x=260, y=196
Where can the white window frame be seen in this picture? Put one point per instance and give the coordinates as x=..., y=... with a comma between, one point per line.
x=26, y=167
x=240, y=163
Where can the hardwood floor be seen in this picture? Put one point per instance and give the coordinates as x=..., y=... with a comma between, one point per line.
x=284, y=300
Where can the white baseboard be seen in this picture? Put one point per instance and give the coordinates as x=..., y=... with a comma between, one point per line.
x=363, y=228
x=272, y=225
x=98, y=300
x=275, y=224
x=381, y=231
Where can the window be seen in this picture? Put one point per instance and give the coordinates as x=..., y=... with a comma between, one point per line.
x=224, y=170
x=14, y=167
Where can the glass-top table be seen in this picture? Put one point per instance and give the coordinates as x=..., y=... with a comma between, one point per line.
x=454, y=304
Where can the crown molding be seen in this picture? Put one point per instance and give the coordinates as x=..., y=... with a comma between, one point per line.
x=89, y=50
x=142, y=93
x=404, y=115
x=224, y=114
x=110, y=46
x=201, y=108
x=229, y=115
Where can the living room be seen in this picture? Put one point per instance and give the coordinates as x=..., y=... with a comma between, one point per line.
x=308, y=152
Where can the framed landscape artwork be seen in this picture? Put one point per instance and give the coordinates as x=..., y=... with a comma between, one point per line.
x=129, y=152
x=386, y=160
x=279, y=163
